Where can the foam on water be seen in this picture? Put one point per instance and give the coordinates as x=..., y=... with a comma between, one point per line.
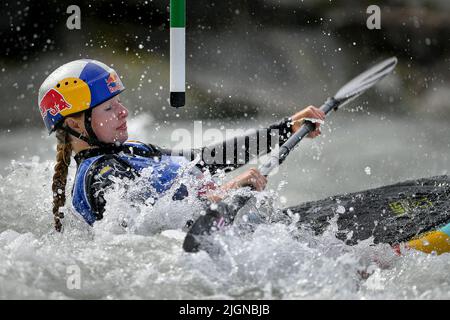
x=145, y=259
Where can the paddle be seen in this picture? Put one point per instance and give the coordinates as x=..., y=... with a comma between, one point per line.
x=220, y=215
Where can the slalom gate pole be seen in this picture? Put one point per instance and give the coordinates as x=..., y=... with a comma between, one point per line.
x=177, y=53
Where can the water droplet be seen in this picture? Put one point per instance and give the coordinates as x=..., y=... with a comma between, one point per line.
x=340, y=209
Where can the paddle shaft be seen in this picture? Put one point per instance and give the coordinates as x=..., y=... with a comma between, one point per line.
x=298, y=136
x=217, y=219
x=224, y=214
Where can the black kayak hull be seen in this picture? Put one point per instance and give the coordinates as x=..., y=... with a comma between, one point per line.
x=390, y=214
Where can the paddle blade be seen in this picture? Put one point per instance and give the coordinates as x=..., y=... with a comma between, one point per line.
x=365, y=80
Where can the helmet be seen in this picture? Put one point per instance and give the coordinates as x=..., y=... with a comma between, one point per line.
x=74, y=87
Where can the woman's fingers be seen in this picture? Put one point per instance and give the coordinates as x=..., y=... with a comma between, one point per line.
x=321, y=114
x=314, y=112
x=251, y=178
x=257, y=180
x=256, y=183
x=262, y=182
x=308, y=112
x=317, y=127
x=317, y=113
x=316, y=131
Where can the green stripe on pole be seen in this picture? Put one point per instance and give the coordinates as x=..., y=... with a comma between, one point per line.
x=177, y=13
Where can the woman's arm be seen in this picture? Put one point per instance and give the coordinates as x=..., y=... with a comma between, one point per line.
x=238, y=151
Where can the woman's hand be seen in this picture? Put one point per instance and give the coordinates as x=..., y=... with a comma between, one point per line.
x=250, y=178
x=308, y=112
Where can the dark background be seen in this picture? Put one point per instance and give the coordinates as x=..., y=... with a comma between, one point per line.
x=244, y=58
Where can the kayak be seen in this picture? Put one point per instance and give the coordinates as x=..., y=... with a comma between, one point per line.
x=414, y=212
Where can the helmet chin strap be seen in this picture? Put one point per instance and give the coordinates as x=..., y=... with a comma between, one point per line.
x=92, y=139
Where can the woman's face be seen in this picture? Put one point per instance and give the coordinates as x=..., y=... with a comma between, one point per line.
x=109, y=121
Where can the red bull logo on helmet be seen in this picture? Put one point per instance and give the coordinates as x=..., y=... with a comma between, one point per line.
x=53, y=102
x=113, y=82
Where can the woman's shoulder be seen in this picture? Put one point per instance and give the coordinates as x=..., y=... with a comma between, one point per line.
x=148, y=149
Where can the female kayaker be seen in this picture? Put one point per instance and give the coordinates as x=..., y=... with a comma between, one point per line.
x=80, y=102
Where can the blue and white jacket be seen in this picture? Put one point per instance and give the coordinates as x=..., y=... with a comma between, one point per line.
x=96, y=166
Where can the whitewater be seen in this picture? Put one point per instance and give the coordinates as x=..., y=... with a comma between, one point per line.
x=135, y=252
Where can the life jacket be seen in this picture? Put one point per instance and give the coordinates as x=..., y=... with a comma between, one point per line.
x=165, y=170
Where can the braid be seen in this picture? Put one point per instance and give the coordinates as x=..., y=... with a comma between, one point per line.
x=63, y=154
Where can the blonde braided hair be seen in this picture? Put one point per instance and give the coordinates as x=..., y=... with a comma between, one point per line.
x=63, y=154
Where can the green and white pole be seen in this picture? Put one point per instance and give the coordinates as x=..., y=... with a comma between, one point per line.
x=177, y=52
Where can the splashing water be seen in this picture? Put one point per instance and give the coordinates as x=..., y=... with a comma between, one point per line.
x=146, y=260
